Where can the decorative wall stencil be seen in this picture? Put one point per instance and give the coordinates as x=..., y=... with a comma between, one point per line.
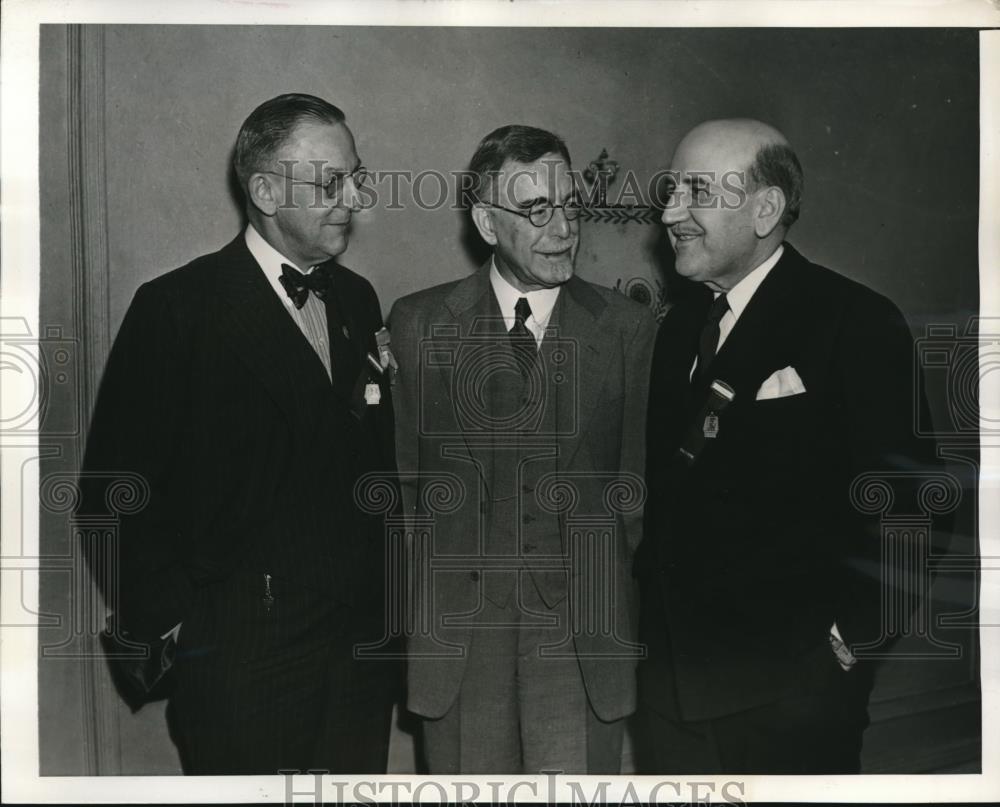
x=601, y=173
x=621, y=214
x=650, y=294
x=598, y=174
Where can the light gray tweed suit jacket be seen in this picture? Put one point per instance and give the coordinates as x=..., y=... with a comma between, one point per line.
x=587, y=458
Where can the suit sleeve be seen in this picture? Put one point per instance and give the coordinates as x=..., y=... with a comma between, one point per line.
x=880, y=395
x=405, y=330
x=130, y=446
x=638, y=361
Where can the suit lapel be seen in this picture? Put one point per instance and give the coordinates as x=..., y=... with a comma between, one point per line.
x=253, y=321
x=757, y=340
x=346, y=340
x=574, y=345
x=477, y=322
x=672, y=396
x=576, y=323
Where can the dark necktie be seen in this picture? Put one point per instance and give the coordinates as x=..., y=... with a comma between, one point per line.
x=521, y=339
x=709, y=340
x=297, y=285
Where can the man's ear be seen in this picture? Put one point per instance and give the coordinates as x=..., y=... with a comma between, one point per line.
x=770, y=207
x=261, y=193
x=483, y=220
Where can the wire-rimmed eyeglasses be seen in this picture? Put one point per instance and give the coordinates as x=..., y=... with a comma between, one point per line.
x=333, y=188
x=541, y=214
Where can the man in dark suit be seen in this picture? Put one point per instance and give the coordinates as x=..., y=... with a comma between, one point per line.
x=772, y=390
x=240, y=388
x=522, y=393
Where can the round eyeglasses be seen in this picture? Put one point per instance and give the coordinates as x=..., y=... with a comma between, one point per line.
x=540, y=215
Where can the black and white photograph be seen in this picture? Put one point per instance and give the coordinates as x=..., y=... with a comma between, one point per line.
x=500, y=401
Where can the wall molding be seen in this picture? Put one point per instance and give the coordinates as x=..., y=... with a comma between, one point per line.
x=88, y=202
x=90, y=265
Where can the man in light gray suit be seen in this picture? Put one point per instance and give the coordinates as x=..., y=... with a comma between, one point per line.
x=522, y=392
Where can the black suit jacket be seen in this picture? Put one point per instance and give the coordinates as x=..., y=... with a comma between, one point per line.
x=249, y=454
x=755, y=550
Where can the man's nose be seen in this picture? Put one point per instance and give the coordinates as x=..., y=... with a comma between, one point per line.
x=676, y=209
x=351, y=196
x=560, y=225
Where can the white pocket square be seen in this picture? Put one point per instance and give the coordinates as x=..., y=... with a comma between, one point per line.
x=781, y=384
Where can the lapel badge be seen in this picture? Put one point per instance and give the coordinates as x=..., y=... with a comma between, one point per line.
x=373, y=395
x=720, y=396
x=385, y=358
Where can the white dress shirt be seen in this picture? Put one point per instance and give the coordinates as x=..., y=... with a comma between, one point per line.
x=542, y=301
x=311, y=318
x=738, y=297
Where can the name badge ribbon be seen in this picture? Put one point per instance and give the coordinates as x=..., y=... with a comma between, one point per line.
x=706, y=424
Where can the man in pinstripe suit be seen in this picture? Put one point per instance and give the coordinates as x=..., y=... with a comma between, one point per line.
x=239, y=386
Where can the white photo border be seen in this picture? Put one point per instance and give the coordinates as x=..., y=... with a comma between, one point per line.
x=19, y=276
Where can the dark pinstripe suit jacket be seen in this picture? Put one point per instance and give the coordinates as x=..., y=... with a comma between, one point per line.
x=212, y=394
x=757, y=549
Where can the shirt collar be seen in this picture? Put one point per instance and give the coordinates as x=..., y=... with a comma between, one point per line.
x=739, y=295
x=542, y=301
x=270, y=261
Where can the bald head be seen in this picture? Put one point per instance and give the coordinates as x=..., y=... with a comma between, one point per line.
x=740, y=135
x=742, y=186
x=760, y=150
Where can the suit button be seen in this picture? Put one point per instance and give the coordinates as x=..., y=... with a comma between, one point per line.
x=474, y=577
x=527, y=549
x=527, y=518
x=527, y=489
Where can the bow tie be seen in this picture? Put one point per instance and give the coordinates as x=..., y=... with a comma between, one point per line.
x=297, y=285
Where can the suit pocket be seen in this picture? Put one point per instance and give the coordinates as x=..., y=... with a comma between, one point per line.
x=782, y=432
x=605, y=430
x=788, y=415
x=786, y=402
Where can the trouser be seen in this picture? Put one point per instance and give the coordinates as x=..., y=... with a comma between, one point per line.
x=815, y=728
x=261, y=689
x=518, y=710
